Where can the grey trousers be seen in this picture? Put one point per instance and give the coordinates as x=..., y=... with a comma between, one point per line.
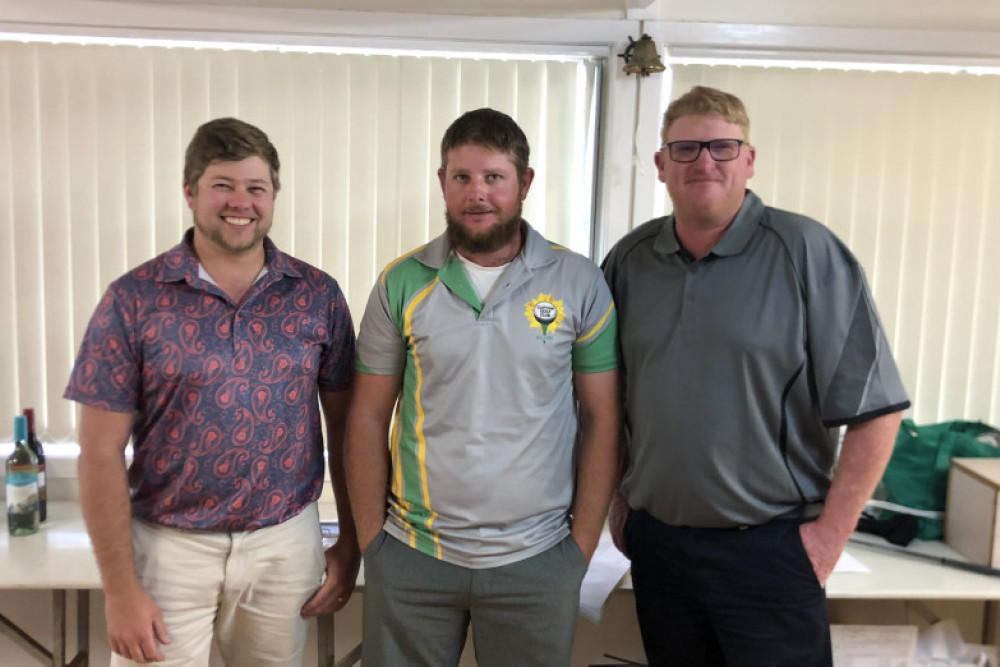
x=417, y=609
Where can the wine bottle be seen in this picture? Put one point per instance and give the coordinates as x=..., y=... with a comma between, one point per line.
x=22, y=483
x=36, y=446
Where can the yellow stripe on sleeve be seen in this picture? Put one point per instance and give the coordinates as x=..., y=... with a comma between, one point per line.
x=598, y=326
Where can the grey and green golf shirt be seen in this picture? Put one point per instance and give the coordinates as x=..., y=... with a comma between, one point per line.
x=738, y=366
x=483, y=441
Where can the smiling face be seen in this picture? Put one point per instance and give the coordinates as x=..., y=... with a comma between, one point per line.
x=233, y=205
x=483, y=196
x=705, y=193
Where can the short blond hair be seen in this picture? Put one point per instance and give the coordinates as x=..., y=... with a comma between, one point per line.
x=705, y=101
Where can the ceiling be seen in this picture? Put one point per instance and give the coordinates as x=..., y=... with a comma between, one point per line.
x=961, y=15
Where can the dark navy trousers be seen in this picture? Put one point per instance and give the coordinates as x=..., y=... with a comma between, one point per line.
x=734, y=597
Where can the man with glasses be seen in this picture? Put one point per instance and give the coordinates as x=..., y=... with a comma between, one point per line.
x=749, y=336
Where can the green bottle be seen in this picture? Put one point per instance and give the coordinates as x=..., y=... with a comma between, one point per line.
x=22, y=483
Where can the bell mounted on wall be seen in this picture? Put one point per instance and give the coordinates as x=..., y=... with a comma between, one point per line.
x=641, y=57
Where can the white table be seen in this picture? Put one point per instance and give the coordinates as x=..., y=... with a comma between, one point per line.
x=57, y=558
x=60, y=558
x=904, y=577
x=899, y=576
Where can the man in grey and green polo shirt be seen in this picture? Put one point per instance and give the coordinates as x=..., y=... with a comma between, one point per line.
x=497, y=350
x=749, y=335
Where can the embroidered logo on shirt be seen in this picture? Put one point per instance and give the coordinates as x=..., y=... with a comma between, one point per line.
x=545, y=314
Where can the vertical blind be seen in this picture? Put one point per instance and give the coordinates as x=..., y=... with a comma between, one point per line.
x=905, y=169
x=93, y=139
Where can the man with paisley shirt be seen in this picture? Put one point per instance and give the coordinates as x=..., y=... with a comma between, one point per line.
x=214, y=358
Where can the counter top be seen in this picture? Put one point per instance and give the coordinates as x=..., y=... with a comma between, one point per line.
x=58, y=556
x=900, y=576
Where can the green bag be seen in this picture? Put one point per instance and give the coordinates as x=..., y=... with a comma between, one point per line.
x=917, y=474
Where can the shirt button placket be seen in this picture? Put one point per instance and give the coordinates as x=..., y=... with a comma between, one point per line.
x=688, y=313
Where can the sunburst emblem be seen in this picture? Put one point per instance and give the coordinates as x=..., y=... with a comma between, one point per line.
x=544, y=313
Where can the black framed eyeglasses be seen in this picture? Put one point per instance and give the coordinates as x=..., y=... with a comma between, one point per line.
x=721, y=150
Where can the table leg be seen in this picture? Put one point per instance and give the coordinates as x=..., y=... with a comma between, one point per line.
x=990, y=619
x=324, y=636
x=58, y=628
x=57, y=656
x=24, y=640
x=352, y=658
x=82, y=628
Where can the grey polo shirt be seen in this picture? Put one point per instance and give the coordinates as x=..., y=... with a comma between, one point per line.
x=483, y=446
x=739, y=365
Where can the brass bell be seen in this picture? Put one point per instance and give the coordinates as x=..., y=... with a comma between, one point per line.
x=641, y=57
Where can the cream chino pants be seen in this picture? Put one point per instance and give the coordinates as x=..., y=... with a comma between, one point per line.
x=243, y=590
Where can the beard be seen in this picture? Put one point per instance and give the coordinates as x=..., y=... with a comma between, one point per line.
x=491, y=240
x=215, y=234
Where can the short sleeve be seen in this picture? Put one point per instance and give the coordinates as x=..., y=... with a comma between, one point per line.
x=596, y=348
x=106, y=374
x=856, y=376
x=381, y=348
x=336, y=367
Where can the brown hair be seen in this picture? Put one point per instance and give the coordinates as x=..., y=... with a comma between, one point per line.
x=491, y=129
x=228, y=140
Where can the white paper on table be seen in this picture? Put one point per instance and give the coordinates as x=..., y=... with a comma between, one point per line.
x=848, y=563
x=873, y=645
x=607, y=568
x=940, y=644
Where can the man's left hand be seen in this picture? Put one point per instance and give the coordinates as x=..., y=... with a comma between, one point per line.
x=342, y=564
x=823, y=545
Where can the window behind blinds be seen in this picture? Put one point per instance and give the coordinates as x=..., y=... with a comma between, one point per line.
x=905, y=168
x=93, y=141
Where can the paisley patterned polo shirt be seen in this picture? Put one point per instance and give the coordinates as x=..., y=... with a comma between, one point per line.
x=226, y=433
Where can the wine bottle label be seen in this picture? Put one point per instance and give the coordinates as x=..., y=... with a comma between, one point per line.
x=21, y=478
x=21, y=494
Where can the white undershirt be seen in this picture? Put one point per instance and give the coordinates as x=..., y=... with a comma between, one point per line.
x=203, y=274
x=481, y=277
